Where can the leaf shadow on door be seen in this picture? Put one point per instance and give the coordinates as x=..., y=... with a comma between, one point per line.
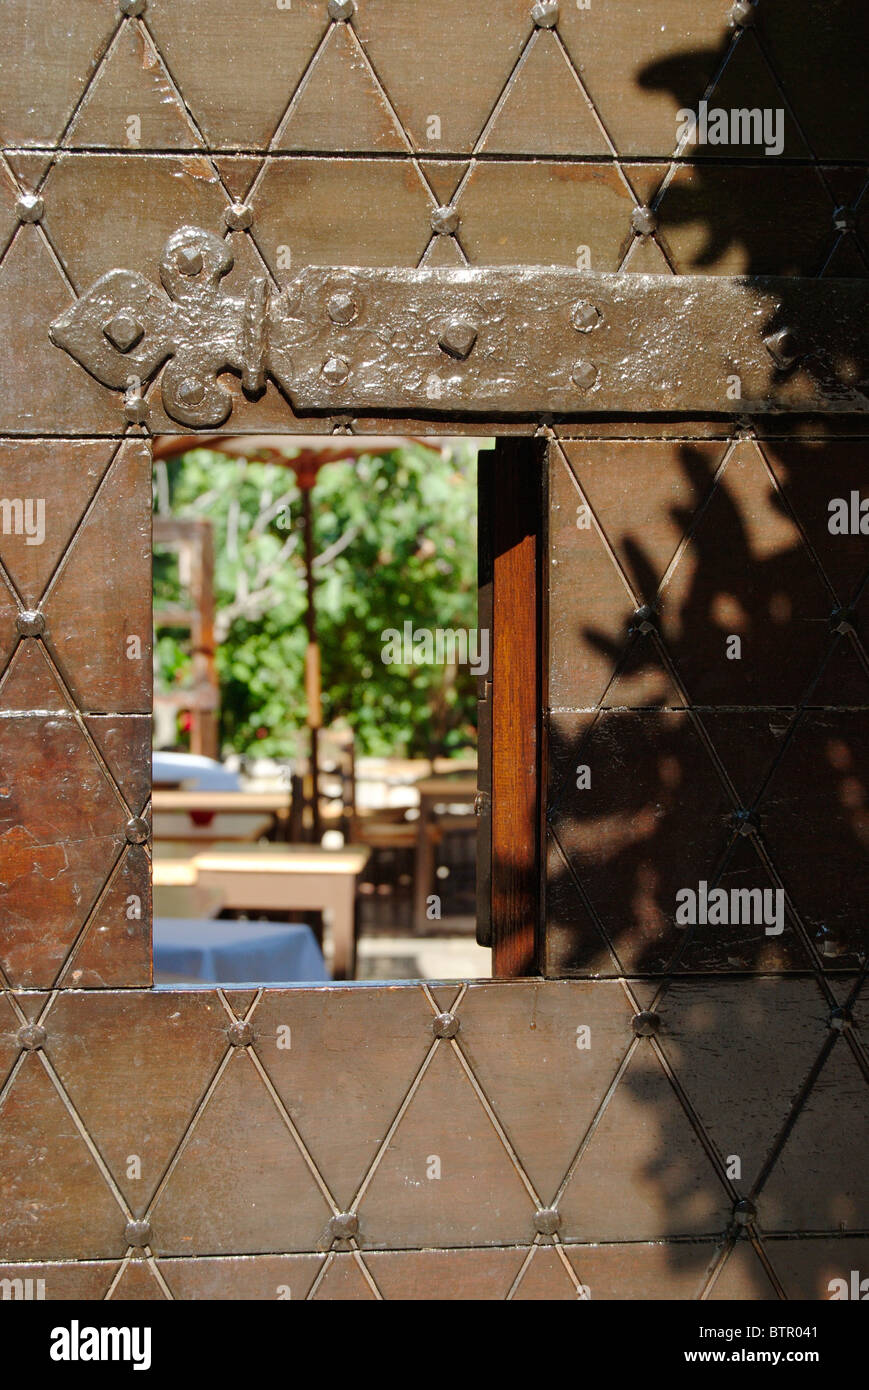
x=704, y=763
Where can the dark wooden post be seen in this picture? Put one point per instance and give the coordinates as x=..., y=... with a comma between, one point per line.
x=516, y=512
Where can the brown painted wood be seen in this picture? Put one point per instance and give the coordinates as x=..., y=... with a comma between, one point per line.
x=515, y=658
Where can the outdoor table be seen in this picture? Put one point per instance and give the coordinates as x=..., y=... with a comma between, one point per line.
x=447, y=790
x=274, y=877
x=212, y=816
x=227, y=953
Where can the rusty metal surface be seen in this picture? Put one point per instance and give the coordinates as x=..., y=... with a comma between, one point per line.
x=512, y=342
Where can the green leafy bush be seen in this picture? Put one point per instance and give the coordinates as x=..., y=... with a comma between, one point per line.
x=395, y=537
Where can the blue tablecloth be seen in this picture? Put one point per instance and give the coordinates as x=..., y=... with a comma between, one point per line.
x=187, y=950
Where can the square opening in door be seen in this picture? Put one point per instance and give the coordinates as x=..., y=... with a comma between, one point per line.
x=318, y=660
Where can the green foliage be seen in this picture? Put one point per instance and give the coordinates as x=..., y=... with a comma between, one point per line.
x=403, y=528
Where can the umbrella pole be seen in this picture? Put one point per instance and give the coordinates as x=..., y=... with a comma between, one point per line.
x=312, y=663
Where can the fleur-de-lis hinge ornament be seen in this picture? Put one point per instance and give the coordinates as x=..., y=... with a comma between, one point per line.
x=123, y=329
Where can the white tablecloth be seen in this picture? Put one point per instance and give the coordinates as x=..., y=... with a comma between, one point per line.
x=187, y=950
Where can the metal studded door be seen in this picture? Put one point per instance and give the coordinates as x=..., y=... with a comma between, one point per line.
x=561, y=223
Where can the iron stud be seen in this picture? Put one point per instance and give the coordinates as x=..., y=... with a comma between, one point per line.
x=190, y=392
x=782, y=347
x=445, y=1025
x=744, y=1212
x=646, y=1023
x=585, y=316
x=135, y=407
x=445, y=221
x=137, y=1233
x=545, y=14
x=237, y=216
x=240, y=1033
x=458, y=339
x=342, y=307
x=29, y=207
x=547, y=1221
x=743, y=14
x=842, y=621
x=343, y=1226
x=643, y=620
x=136, y=830
x=341, y=9
x=31, y=1036
x=644, y=220
x=188, y=260
x=30, y=623
x=744, y=821
x=584, y=374
x=123, y=331
x=844, y=219
x=335, y=370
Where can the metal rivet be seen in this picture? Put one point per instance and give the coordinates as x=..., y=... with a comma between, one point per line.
x=458, y=338
x=342, y=307
x=744, y=1212
x=137, y=1232
x=29, y=207
x=123, y=331
x=237, y=216
x=842, y=621
x=344, y=1225
x=445, y=221
x=642, y=620
x=136, y=830
x=31, y=1036
x=744, y=822
x=340, y=9
x=584, y=374
x=190, y=392
x=135, y=408
x=445, y=1025
x=30, y=623
x=831, y=946
x=782, y=347
x=547, y=1221
x=743, y=14
x=646, y=1024
x=840, y=1019
x=545, y=14
x=188, y=260
x=584, y=316
x=240, y=1033
x=132, y=7
x=844, y=219
x=644, y=220
x=336, y=370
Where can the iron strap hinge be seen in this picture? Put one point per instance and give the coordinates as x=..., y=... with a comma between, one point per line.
x=508, y=341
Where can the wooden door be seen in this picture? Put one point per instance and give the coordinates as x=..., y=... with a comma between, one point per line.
x=502, y=228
